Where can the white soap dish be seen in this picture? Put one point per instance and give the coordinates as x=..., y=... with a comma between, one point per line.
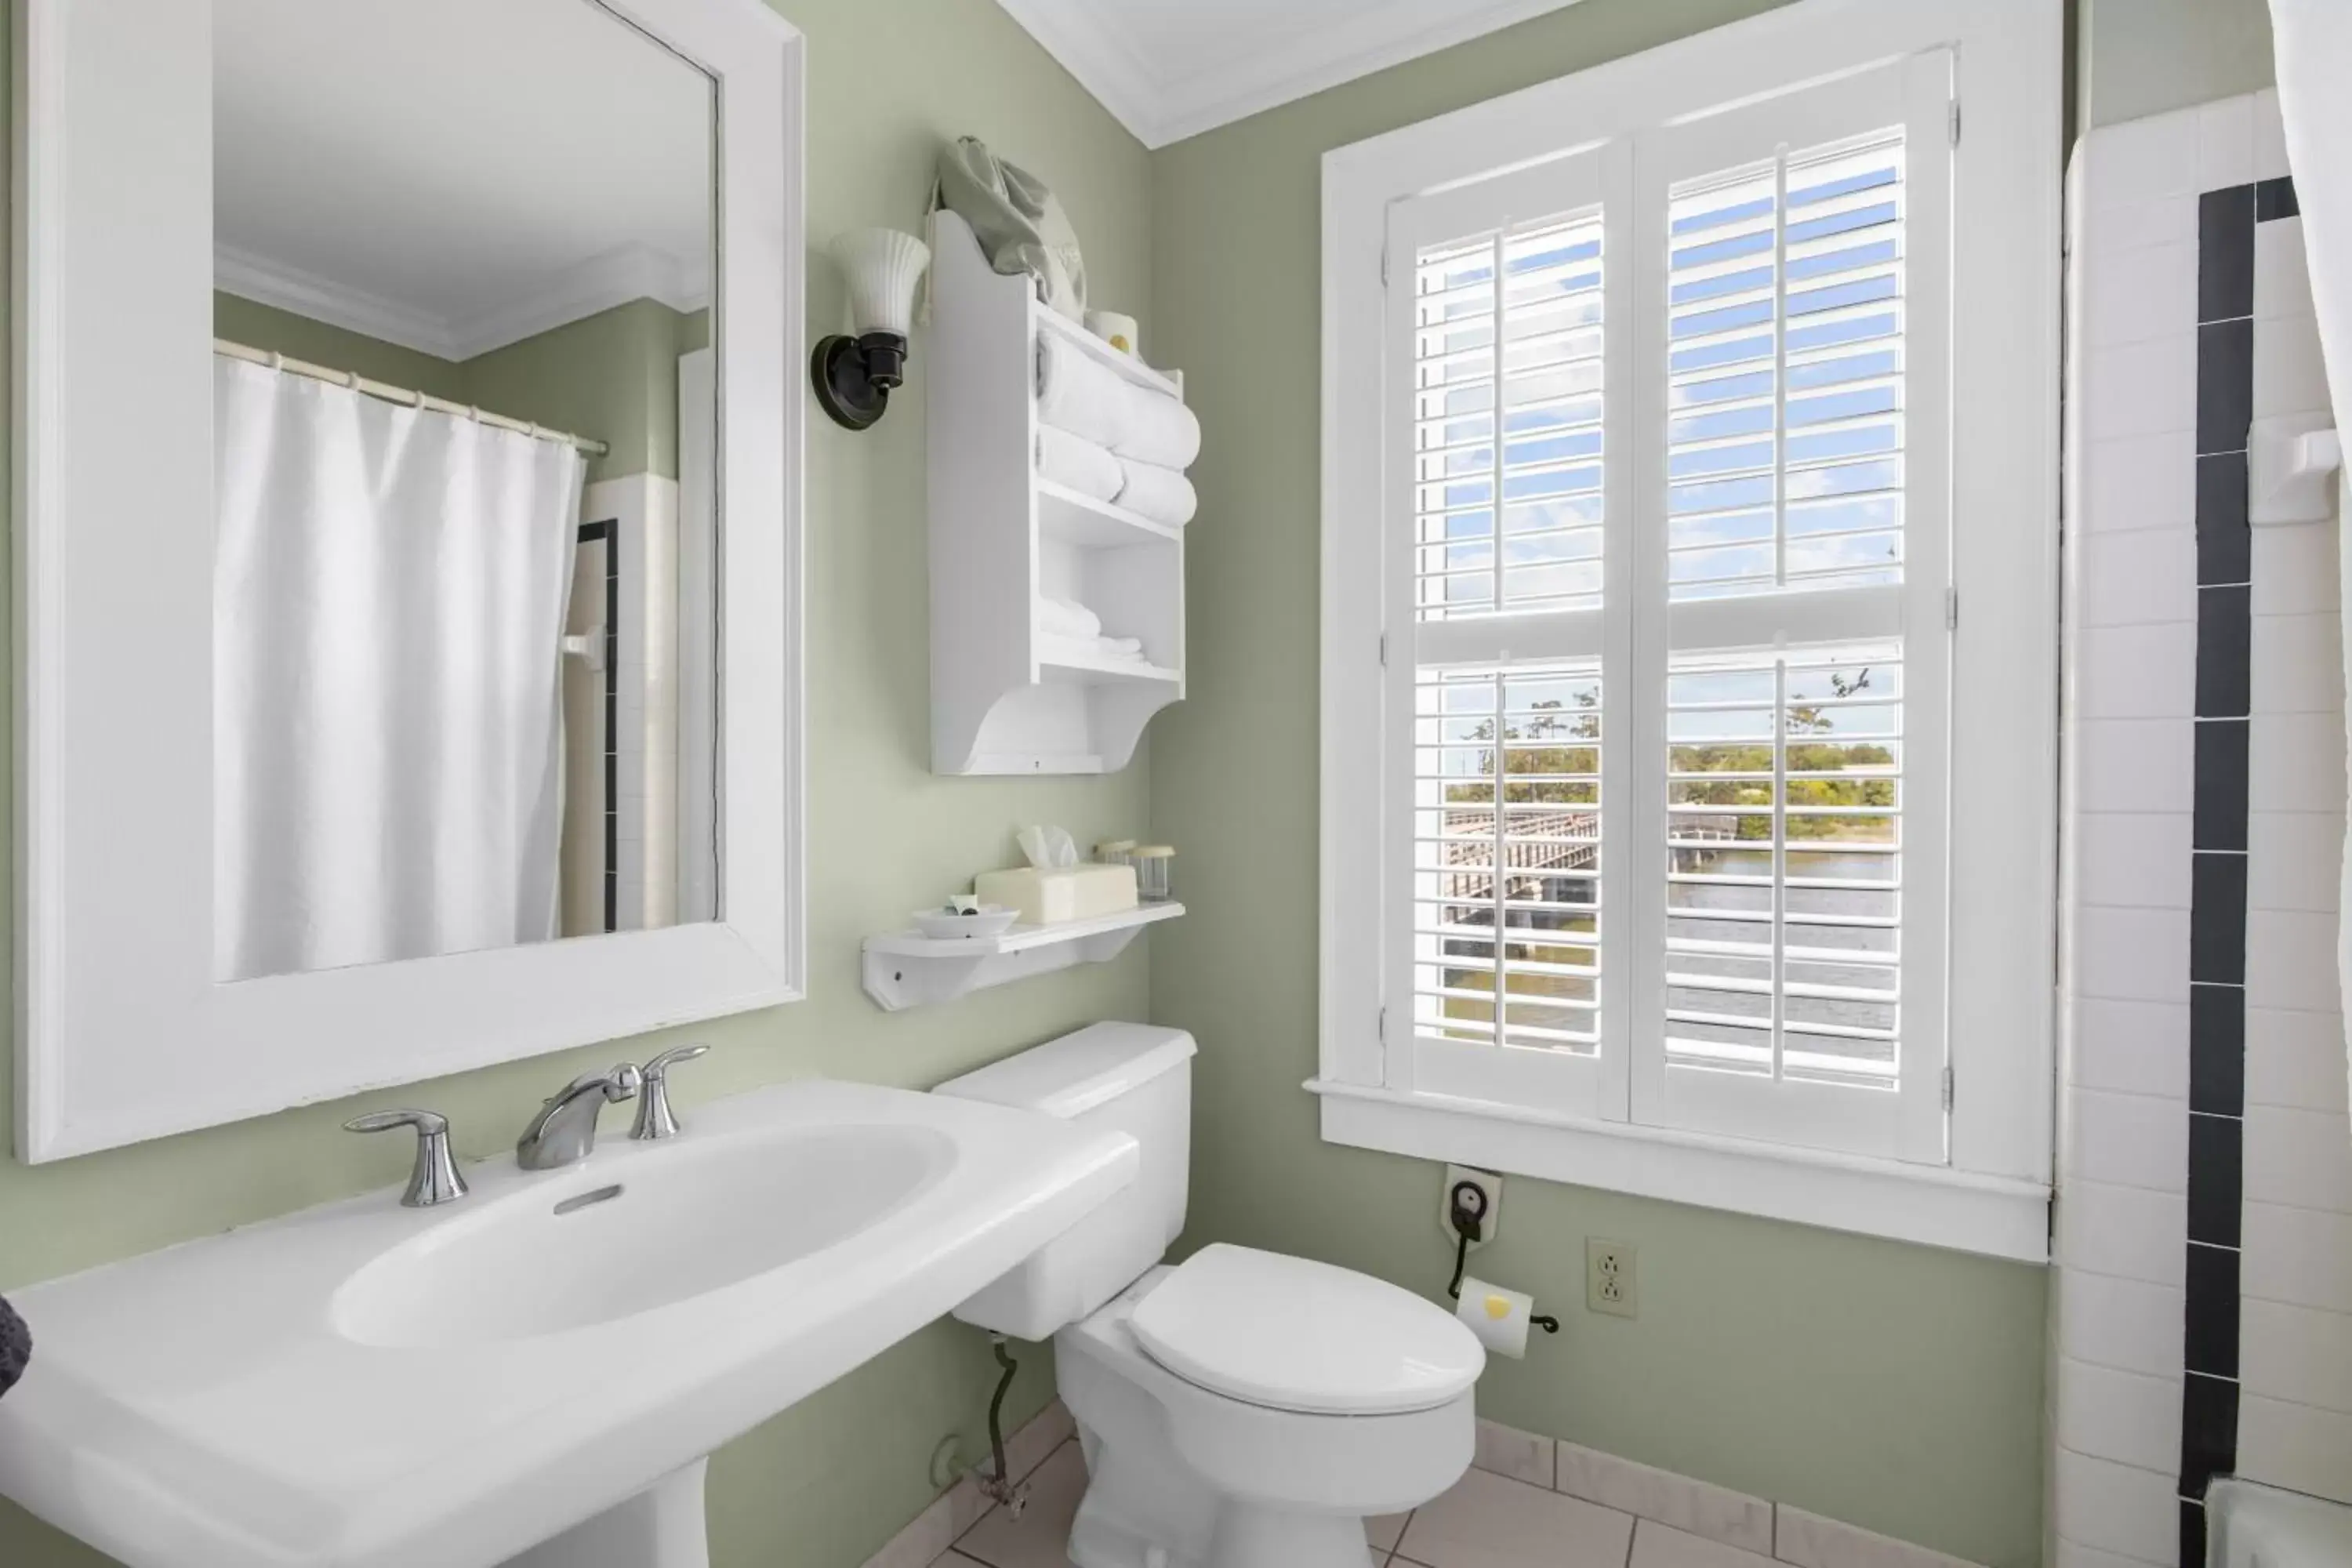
x=988, y=920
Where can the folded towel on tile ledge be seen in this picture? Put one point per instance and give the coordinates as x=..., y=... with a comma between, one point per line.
x=1163, y=495
x=1073, y=460
x=1080, y=393
x=1068, y=619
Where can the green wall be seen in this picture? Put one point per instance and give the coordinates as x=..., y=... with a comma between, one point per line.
x=611, y=375
x=261, y=326
x=1891, y=1385
x=827, y=1482
x=2135, y=57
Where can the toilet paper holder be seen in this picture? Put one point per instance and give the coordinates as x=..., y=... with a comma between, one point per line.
x=1466, y=1206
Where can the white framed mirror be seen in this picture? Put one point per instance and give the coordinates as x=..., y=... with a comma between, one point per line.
x=407, y=539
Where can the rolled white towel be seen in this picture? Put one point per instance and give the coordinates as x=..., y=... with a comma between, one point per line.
x=1067, y=617
x=1071, y=460
x=1155, y=428
x=1080, y=393
x=1120, y=647
x=1077, y=393
x=1163, y=495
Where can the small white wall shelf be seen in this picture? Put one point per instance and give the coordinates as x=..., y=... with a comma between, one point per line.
x=909, y=969
x=1005, y=698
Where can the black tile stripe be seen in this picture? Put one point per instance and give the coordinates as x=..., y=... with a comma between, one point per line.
x=2225, y=267
x=604, y=532
x=2225, y=551
x=2275, y=199
x=2217, y=1049
x=2217, y=903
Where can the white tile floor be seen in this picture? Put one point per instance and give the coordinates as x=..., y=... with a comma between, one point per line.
x=1488, y=1521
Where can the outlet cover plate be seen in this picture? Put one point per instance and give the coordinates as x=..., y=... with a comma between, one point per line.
x=1608, y=1282
x=1487, y=1182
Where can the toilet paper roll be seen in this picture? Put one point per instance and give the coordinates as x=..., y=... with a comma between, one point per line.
x=1497, y=1316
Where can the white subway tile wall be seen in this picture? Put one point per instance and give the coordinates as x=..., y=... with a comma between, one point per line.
x=2203, y=1299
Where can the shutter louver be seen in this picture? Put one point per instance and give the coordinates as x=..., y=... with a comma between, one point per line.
x=1784, y=863
x=1785, y=373
x=1508, y=516
x=1507, y=891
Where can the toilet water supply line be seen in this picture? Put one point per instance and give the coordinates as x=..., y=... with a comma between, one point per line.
x=999, y=1488
x=1467, y=1208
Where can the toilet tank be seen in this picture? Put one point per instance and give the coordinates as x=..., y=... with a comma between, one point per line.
x=1127, y=1077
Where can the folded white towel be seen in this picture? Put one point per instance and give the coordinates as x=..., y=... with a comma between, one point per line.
x=1080, y=393
x=1064, y=617
x=1163, y=495
x=1073, y=460
x=1127, y=650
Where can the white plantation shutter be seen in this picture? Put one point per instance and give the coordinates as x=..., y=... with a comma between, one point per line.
x=1796, y=445
x=1501, y=973
x=1668, y=452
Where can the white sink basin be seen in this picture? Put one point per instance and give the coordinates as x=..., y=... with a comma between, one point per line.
x=364, y=1385
x=610, y=1244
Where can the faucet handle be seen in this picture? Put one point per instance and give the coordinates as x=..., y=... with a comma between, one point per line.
x=621, y=1083
x=655, y=1121
x=433, y=1179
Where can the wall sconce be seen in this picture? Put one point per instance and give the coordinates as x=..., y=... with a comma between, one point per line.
x=854, y=376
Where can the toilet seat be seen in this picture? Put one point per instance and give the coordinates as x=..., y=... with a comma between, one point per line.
x=1290, y=1333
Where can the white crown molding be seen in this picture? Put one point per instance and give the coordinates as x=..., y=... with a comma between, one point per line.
x=634, y=272
x=1081, y=34
x=268, y=283
x=615, y=278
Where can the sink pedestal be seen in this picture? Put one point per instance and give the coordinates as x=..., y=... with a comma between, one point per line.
x=661, y=1527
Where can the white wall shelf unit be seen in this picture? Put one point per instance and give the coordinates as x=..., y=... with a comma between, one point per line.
x=908, y=969
x=1007, y=698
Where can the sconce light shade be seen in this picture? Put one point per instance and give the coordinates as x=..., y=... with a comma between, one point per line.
x=884, y=268
x=853, y=376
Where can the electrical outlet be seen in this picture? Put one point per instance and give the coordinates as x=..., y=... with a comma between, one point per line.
x=1488, y=1203
x=1609, y=1277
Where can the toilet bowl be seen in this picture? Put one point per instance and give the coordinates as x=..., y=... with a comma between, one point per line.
x=1243, y=1409
x=1211, y=1479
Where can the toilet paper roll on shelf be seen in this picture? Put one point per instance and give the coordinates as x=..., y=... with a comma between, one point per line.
x=1499, y=1316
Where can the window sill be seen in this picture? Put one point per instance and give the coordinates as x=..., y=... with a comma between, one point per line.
x=1994, y=1215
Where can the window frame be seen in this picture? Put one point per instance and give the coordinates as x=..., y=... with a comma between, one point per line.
x=1991, y=1195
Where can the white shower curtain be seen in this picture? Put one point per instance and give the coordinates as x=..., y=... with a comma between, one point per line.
x=389, y=596
x=2313, y=39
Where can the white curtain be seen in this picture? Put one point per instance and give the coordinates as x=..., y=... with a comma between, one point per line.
x=2314, y=43
x=389, y=596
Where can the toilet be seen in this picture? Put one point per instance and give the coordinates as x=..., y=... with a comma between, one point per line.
x=1241, y=1409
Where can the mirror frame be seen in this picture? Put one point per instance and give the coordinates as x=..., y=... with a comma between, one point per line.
x=123, y=1034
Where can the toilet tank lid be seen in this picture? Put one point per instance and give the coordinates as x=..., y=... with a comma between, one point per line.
x=1072, y=1075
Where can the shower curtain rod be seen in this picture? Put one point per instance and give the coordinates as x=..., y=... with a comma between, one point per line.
x=358, y=382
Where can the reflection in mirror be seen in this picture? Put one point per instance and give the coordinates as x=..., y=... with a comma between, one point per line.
x=465, y=544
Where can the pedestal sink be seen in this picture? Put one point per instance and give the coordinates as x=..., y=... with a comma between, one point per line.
x=534, y=1374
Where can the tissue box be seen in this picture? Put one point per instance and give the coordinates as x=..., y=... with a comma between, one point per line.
x=1068, y=893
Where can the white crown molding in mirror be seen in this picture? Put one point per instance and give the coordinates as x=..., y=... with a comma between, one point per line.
x=634, y=272
x=122, y=1032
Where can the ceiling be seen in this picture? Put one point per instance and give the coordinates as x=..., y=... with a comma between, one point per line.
x=1172, y=68
x=454, y=176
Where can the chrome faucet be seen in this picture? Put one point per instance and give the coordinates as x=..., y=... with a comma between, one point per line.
x=434, y=1180
x=565, y=1130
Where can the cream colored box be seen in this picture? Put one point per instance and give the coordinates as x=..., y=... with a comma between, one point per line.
x=1067, y=893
